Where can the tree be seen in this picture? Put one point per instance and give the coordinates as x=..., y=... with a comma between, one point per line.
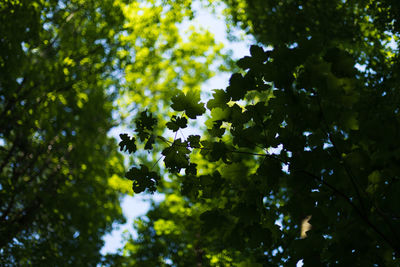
x=307, y=129
x=63, y=66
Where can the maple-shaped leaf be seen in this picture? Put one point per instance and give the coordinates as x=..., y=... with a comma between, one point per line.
x=127, y=144
x=179, y=102
x=146, y=120
x=245, y=62
x=254, y=62
x=237, y=87
x=176, y=156
x=216, y=130
x=144, y=125
x=256, y=112
x=188, y=103
x=237, y=116
x=219, y=101
x=143, y=179
x=215, y=151
x=194, y=141
x=176, y=123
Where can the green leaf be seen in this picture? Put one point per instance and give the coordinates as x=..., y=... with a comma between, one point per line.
x=299, y=132
x=237, y=116
x=216, y=130
x=143, y=179
x=188, y=103
x=237, y=87
x=145, y=124
x=258, y=52
x=220, y=100
x=127, y=144
x=194, y=141
x=176, y=156
x=245, y=62
x=177, y=123
x=146, y=121
x=215, y=151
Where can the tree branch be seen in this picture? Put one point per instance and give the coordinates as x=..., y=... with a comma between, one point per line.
x=363, y=216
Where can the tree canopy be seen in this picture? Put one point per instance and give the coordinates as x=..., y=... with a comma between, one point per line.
x=66, y=69
x=298, y=159
x=307, y=130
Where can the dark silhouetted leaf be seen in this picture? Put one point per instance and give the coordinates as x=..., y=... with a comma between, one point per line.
x=127, y=143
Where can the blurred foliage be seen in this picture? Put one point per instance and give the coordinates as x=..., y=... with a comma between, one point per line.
x=309, y=128
x=69, y=71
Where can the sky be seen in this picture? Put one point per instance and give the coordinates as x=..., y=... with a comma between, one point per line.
x=138, y=205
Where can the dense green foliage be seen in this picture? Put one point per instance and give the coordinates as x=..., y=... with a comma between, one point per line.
x=55, y=156
x=307, y=128
x=310, y=126
x=64, y=65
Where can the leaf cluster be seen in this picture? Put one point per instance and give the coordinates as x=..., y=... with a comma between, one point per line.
x=69, y=71
x=302, y=131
